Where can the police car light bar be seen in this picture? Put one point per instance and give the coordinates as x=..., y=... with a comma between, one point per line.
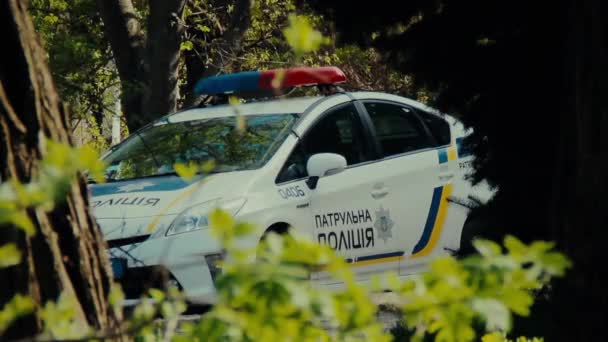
x=253, y=81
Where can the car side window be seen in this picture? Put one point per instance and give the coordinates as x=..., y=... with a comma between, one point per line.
x=398, y=129
x=339, y=131
x=438, y=127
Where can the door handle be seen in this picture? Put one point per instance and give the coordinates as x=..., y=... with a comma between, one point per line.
x=379, y=193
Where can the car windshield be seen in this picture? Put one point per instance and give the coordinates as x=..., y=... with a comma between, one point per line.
x=154, y=151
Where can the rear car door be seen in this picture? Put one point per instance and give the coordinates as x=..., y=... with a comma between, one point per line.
x=414, y=213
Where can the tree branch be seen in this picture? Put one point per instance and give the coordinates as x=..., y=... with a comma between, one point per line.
x=231, y=41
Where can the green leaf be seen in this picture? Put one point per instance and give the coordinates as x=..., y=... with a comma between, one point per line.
x=116, y=297
x=18, y=306
x=487, y=248
x=186, y=45
x=10, y=255
x=494, y=312
x=493, y=337
x=515, y=246
x=156, y=294
x=301, y=36
x=203, y=28
x=22, y=220
x=208, y=166
x=61, y=319
x=556, y=263
x=242, y=229
x=222, y=225
x=519, y=301
x=187, y=172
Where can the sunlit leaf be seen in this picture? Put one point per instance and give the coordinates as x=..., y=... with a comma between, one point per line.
x=301, y=36
x=22, y=220
x=203, y=28
x=208, y=166
x=61, y=319
x=186, y=171
x=17, y=307
x=518, y=301
x=221, y=220
x=116, y=296
x=495, y=313
x=493, y=337
x=186, y=45
x=156, y=294
x=487, y=248
x=10, y=255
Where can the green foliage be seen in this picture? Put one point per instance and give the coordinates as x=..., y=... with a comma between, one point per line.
x=59, y=167
x=18, y=306
x=454, y=295
x=302, y=37
x=188, y=171
x=499, y=337
x=79, y=58
x=61, y=321
x=264, y=293
x=57, y=170
x=169, y=305
x=264, y=45
x=9, y=255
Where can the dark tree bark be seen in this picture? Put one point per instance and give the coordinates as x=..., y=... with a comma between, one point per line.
x=164, y=37
x=67, y=254
x=579, y=207
x=147, y=65
x=123, y=31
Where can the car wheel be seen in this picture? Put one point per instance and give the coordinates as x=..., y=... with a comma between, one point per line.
x=278, y=228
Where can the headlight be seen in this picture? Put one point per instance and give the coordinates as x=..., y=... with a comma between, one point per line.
x=197, y=217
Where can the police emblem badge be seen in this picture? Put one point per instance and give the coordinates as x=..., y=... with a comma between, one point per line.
x=383, y=224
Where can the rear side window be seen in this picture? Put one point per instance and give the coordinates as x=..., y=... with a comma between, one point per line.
x=440, y=129
x=398, y=129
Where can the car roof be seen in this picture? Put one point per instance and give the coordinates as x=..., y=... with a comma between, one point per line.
x=363, y=95
x=296, y=105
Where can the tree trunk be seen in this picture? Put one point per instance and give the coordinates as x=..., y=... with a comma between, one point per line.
x=67, y=254
x=164, y=38
x=123, y=31
x=581, y=181
x=147, y=65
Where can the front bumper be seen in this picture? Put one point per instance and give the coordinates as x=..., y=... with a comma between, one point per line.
x=163, y=261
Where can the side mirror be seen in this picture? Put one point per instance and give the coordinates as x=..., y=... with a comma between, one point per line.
x=323, y=164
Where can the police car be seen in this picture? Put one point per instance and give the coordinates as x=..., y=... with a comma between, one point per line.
x=377, y=177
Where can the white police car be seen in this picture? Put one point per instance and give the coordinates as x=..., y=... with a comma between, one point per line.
x=370, y=174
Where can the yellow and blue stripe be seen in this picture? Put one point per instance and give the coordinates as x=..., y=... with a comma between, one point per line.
x=434, y=222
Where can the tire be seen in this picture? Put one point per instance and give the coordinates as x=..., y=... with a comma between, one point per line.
x=278, y=228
